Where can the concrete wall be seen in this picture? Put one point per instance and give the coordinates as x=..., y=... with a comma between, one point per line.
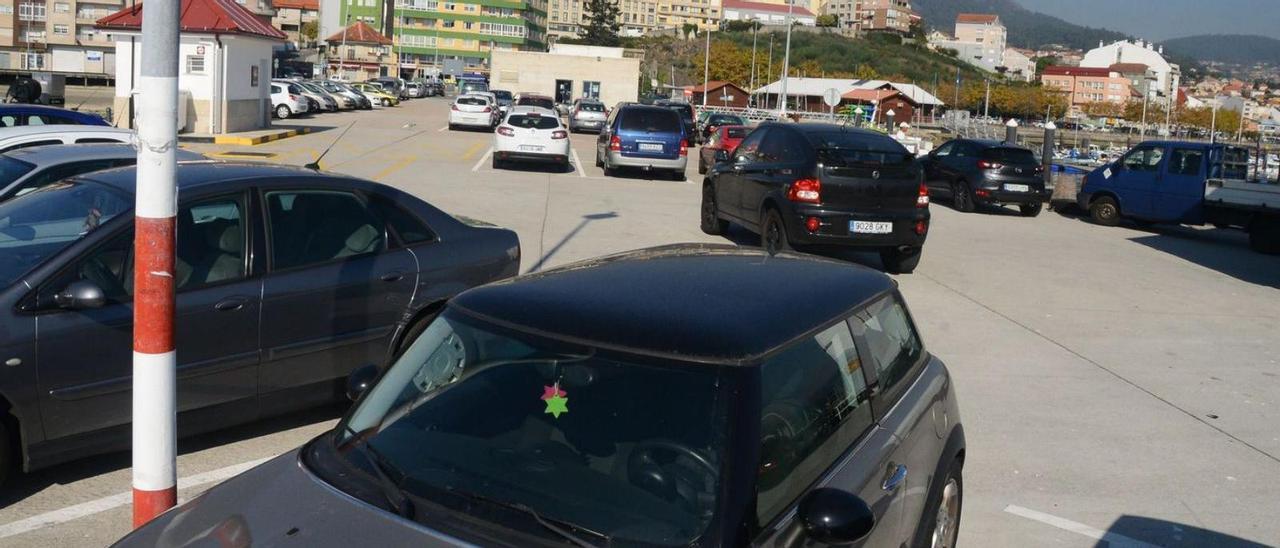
x=537, y=73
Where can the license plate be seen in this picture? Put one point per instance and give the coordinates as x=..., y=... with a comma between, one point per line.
x=650, y=147
x=1017, y=188
x=870, y=227
x=531, y=148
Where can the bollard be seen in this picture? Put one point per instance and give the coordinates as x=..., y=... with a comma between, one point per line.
x=1011, y=132
x=888, y=117
x=1046, y=153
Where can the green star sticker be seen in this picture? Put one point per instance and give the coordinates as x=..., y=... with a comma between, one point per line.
x=556, y=405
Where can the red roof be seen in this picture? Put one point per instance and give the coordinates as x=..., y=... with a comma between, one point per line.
x=977, y=19
x=1129, y=68
x=713, y=85
x=1058, y=70
x=306, y=5
x=796, y=11
x=359, y=33
x=200, y=16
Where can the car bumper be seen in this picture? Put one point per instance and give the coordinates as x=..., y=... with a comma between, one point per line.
x=476, y=120
x=1000, y=196
x=1083, y=199
x=617, y=159
x=834, y=229
x=527, y=156
x=586, y=124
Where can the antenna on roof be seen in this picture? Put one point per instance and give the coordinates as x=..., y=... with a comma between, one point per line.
x=316, y=164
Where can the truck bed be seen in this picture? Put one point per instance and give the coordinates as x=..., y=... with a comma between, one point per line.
x=1253, y=195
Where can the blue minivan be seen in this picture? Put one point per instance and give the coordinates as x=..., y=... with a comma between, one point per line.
x=644, y=137
x=13, y=115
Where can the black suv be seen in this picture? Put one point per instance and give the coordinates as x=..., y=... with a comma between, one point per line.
x=821, y=184
x=977, y=172
x=684, y=109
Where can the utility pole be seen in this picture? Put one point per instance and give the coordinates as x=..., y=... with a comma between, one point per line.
x=786, y=61
x=154, y=365
x=769, y=68
x=1213, y=123
x=986, y=110
x=755, y=31
x=342, y=61
x=706, y=68
x=1146, y=97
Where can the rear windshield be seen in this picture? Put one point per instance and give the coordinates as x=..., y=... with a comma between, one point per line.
x=723, y=120
x=11, y=170
x=847, y=148
x=1016, y=156
x=532, y=121
x=536, y=102
x=474, y=86
x=477, y=101
x=737, y=132
x=504, y=95
x=591, y=107
x=653, y=120
x=684, y=109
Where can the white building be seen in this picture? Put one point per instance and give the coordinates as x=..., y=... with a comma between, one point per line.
x=981, y=40
x=1168, y=75
x=1019, y=66
x=224, y=70
x=766, y=13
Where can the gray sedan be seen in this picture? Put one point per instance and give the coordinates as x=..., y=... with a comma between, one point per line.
x=26, y=169
x=287, y=279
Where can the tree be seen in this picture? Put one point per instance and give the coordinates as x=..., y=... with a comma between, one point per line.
x=1046, y=61
x=601, y=26
x=827, y=20
x=866, y=72
x=309, y=30
x=689, y=29
x=729, y=63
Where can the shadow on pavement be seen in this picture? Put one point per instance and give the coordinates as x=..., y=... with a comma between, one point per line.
x=868, y=258
x=1143, y=531
x=21, y=486
x=538, y=167
x=542, y=261
x=1224, y=250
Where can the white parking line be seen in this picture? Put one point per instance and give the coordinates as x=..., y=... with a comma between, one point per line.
x=577, y=162
x=442, y=128
x=103, y=504
x=1114, y=540
x=482, y=159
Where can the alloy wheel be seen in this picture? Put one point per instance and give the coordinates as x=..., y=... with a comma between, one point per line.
x=945, y=524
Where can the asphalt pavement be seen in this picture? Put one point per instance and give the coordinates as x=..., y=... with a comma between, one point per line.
x=1118, y=386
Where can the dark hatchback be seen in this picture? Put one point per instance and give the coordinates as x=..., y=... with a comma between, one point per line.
x=287, y=279
x=821, y=185
x=980, y=172
x=631, y=400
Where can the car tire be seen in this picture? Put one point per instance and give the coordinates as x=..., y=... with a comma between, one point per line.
x=566, y=167
x=962, y=196
x=712, y=224
x=7, y=451
x=1105, y=211
x=1030, y=210
x=283, y=112
x=1264, y=235
x=773, y=232
x=599, y=162
x=386, y=102
x=702, y=166
x=497, y=164
x=899, y=261
x=943, y=508
x=678, y=175
x=609, y=171
x=453, y=127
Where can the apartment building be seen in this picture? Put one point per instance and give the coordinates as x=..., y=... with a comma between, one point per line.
x=705, y=14
x=291, y=15
x=425, y=33
x=565, y=18
x=983, y=29
x=1084, y=85
x=858, y=16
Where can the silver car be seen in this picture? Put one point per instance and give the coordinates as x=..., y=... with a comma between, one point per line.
x=587, y=115
x=27, y=169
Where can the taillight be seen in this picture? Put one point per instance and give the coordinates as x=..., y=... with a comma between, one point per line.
x=813, y=224
x=984, y=164
x=454, y=108
x=805, y=190
x=293, y=97
x=486, y=109
x=1039, y=169
x=615, y=143
x=559, y=134
x=922, y=198
x=684, y=147
x=504, y=130
x=922, y=227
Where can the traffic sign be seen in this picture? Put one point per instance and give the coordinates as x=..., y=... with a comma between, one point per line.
x=831, y=97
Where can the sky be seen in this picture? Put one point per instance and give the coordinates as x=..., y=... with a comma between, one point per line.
x=1164, y=19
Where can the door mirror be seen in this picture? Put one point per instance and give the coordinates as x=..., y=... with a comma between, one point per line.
x=832, y=516
x=79, y=295
x=360, y=381
x=722, y=155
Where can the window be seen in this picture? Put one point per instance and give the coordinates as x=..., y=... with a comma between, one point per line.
x=1186, y=161
x=86, y=140
x=316, y=226
x=61, y=30
x=945, y=149
x=211, y=243
x=61, y=7
x=892, y=345
x=812, y=409
x=652, y=120
x=779, y=146
x=58, y=173
x=747, y=149
x=30, y=144
x=591, y=89
x=407, y=226
x=1144, y=159
x=195, y=64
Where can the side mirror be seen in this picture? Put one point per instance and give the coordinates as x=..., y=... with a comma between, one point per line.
x=832, y=516
x=80, y=294
x=722, y=155
x=360, y=381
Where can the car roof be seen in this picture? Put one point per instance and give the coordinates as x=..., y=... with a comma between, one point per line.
x=193, y=175
x=61, y=154
x=708, y=303
x=40, y=109
x=21, y=131
x=534, y=109
x=479, y=94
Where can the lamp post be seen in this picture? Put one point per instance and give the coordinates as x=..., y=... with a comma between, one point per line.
x=755, y=30
x=342, y=61
x=786, y=60
x=706, y=68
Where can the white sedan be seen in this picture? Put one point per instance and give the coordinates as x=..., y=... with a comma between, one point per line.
x=472, y=110
x=531, y=134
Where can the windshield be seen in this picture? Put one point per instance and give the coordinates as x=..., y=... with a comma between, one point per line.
x=848, y=147
x=475, y=411
x=39, y=224
x=11, y=170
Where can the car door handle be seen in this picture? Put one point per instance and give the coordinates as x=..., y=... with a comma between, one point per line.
x=230, y=304
x=895, y=479
x=392, y=277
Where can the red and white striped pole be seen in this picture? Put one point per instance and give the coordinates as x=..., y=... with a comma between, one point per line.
x=154, y=365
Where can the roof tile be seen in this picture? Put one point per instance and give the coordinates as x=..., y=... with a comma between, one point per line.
x=200, y=16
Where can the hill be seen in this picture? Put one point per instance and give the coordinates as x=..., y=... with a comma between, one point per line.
x=1027, y=29
x=1227, y=48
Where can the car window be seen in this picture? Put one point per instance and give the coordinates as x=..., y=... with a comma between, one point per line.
x=961, y=150
x=475, y=101
x=1144, y=159
x=8, y=120
x=1009, y=155
x=408, y=227
x=591, y=107
x=211, y=243
x=58, y=173
x=780, y=146
x=747, y=149
x=812, y=409
x=316, y=226
x=533, y=121
x=30, y=144
x=892, y=344
x=736, y=132
x=945, y=149
x=651, y=120
x=1186, y=161
x=12, y=169
x=85, y=140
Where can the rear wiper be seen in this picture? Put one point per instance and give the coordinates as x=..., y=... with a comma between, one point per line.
x=382, y=468
x=558, y=527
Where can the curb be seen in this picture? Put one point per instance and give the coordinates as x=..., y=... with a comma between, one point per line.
x=246, y=141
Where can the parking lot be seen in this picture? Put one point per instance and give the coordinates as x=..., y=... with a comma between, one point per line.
x=1118, y=385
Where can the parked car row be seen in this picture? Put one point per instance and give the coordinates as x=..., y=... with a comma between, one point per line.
x=295, y=97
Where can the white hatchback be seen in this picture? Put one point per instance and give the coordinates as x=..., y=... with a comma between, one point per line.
x=287, y=100
x=531, y=134
x=472, y=110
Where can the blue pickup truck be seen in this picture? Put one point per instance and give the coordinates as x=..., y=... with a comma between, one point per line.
x=1185, y=183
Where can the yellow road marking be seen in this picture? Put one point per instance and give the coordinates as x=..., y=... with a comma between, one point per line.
x=472, y=150
x=397, y=166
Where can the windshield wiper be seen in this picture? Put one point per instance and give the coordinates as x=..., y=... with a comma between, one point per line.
x=558, y=527
x=382, y=468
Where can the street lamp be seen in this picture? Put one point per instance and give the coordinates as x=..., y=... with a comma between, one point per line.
x=786, y=60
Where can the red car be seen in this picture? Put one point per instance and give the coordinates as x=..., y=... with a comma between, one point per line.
x=724, y=138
